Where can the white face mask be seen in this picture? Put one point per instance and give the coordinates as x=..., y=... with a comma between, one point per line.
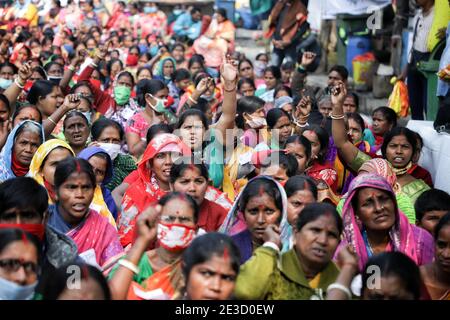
x=12, y=291
x=174, y=237
x=256, y=122
x=112, y=149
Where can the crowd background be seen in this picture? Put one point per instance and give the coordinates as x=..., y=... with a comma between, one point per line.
x=141, y=151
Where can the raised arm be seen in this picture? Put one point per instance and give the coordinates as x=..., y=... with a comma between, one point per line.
x=346, y=148
x=70, y=71
x=301, y=114
x=229, y=77
x=71, y=102
x=14, y=90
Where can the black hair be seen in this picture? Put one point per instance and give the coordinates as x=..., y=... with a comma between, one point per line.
x=205, y=247
x=140, y=69
x=247, y=105
x=303, y=141
x=135, y=47
x=72, y=114
x=355, y=97
x=195, y=9
x=202, y=105
x=343, y=72
x=431, y=200
x=254, y=189
x=274, y=115
x=282, y=87
x=245, y=80
x=298, y=183
x=445, y=220
x=355, y=116
x=192, y=113
x=324, y=139
x=41, y=71
x=244, y=60
x=181, y=74
x=201, y=75
x=125, y=73
x=178, y=44
x=24, y=106
x=111, y=62
x=23, y=193
x=54, y=285
x=156, y=129
x=314, y=211
x=101, y=124
x=182, y=164
x=40, y=88
x=388, y=113
x=286, y=161
x=5, y=101
x=394, y=264
x=70, y=165
x=10, y=235
x=222, y=12
x=147, y=86
x=179, y=196
x=288, y=65
x=275, y=72
x=399, y=131
x=80, y=84
x=261, y=54
x=196, y=58
x=9, y=64
x=50, y=64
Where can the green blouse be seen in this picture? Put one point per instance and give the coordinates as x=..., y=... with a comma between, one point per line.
x=145, y=270
x=267, y=276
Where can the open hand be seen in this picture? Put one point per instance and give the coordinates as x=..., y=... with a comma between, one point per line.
x=308, y=58
x=228, y=69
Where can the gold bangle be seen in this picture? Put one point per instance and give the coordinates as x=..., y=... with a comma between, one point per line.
x=52, y=121
x=192, y=100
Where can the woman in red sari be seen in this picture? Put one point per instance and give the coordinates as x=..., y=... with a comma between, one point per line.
x=152, y=183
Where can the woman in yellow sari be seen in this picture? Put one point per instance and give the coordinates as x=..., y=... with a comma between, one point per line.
x=42, y=169
x=217, y=40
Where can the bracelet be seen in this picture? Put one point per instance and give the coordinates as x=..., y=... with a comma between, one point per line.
x=298, y=124
x=51, y=120
x=226, y=90
x=21, y=86
x=271, y=245
x=94, y=64
x=71, y=68
x=129, y=265
x=192, y=100
x=338, y=117
x=340, y=287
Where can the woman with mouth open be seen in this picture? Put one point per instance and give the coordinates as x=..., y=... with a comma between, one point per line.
x=152, y=183
x=76, y=130
x=374, y=224
x=95, y=237
x=399, y=147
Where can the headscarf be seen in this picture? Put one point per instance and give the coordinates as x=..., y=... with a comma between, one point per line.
x=6, y=171
x=39, y=157
x=98, y=202
x=160, y=68
x=15, y=53
x=401, y=234
x=234, y=222
x=382, y=168
x=145, y=190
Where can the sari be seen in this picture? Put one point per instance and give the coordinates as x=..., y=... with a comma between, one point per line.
x=103, y=201
x=406, y=238
x=216, y=42
x=159, y=72
x=94, y=236
x=38, y=160
x=235, y=226
x=6, y=155
x=145, y=189
x=325, y=172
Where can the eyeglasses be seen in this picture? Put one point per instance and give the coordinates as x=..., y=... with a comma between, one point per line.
x=13, y=265
x=172, y=219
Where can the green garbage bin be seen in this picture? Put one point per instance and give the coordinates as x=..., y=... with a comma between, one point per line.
x=348, y=25
x=429, y=69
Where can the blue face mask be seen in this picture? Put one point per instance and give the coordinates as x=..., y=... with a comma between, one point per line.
x=12, y=291
x=143, y=48
x=177, y=12
x=207, y=98
x=154, y=50
x=150, y=9
x=5, y=83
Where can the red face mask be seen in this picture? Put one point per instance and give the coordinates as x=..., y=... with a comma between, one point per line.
x=95, y=83
x=132, y=60
x=36, y=229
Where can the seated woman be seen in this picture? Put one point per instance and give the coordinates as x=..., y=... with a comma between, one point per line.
x=44, y=162
x=97, y=240
x=399, y=147
x=108, y=135
x=272, y=78
x=20, y=146
x=300, y=148
x=374, y=224
x=92, y=285
x=26, y=112
x=101, y=163
x=152, y=181
x=190, y=176
x=217, y=41
x=384, y=119
x=279, y=124
x=302, y=273
x=164, y=70
x=246, y=87
x=436, y=275
x=262, y=203
x=173, y=225
x=210, y=268
x=20, y=257
x=76, y=130
x=278, y=165
x=399, y=277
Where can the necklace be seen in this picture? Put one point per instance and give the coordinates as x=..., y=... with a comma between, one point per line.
x=402, y=171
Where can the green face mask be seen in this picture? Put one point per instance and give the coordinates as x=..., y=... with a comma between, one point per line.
x=122, y=95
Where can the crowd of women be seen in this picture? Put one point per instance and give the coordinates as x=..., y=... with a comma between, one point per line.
x=154, y=167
